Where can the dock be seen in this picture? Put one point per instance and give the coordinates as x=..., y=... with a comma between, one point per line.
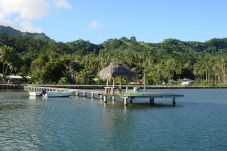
x=129, y=98
x=109, y=92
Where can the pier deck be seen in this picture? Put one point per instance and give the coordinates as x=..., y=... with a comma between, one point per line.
x=100, y=94
x=129, y=97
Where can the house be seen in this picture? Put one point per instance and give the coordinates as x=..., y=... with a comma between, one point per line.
x=15, y=79
x=136, y=81
x=171, y=82
x=186, y=82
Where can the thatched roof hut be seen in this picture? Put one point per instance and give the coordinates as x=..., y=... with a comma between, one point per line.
x=114, y=70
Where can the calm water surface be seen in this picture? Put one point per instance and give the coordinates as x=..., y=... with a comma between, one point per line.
x=198, y=122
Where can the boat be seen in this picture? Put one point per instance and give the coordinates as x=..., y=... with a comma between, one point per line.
x=51, y=93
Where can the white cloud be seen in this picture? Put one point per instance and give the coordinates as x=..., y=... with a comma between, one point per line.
x=24, y=9
x=20, y=13
x=21, y=25
x=63, y=4
x=94, y=24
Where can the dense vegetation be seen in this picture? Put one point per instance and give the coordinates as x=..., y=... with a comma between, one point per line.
x=78, y=62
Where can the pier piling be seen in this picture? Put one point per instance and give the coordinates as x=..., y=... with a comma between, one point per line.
x=125, y=100
x=151, y=100
x=174, y=101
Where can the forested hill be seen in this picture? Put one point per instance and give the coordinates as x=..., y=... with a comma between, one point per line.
x=13, y=32
x=48, y=61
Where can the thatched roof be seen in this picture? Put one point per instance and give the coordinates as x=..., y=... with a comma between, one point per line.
x=114, y=70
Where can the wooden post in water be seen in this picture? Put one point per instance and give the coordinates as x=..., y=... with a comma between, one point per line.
x=151, y=100
x=84, y=94
x=104, y=99
x=113, y=98
x=130, y=99
x=101, y=96
x=174, y=101
x=92, y=94
x=125, y=99
x=76, y=93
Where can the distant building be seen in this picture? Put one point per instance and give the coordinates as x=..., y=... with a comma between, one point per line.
x=15, y=79
x=136, y=81
x=186, y=82
x=171, y=82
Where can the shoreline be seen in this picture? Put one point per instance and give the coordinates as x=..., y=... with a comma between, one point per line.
x=131, y=86
x=11, y=86
x=23, y=86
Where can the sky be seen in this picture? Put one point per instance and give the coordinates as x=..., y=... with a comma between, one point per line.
x=99, y=20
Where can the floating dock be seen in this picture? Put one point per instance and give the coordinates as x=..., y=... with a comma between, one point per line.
x=108, y=93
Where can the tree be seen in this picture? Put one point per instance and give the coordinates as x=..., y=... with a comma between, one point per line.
x=9, y=59
x=133, y=39
x=72, y=67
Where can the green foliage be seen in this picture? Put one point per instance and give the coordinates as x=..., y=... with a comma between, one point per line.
x=79, y=62
x=83, y=47
x=64, y=80
x=10, y=61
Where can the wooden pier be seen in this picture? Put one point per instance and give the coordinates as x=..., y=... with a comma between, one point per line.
x=106, y=94
x=129, y=98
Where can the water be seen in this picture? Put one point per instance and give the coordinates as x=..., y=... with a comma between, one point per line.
x=198, y=122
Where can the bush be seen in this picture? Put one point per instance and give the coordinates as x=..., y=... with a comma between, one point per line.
x=63, y=80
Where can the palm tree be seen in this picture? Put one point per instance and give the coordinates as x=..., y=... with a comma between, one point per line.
x=9, y=60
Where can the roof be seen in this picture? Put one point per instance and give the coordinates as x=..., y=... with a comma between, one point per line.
x=114, y=70
x=17, y=77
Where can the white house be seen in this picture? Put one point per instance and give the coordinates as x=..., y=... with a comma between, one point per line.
x=186, y=82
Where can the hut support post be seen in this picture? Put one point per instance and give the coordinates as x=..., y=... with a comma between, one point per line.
x=126, y=88
x=113, y=83
x=120, y=87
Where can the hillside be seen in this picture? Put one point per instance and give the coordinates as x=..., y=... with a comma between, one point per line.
x=48, y=61
x=13, y=32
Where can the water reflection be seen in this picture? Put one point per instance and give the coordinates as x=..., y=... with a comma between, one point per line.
x=197, y=122
x=34, y=98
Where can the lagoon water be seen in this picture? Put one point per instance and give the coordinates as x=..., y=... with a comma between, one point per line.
x=197, y=122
